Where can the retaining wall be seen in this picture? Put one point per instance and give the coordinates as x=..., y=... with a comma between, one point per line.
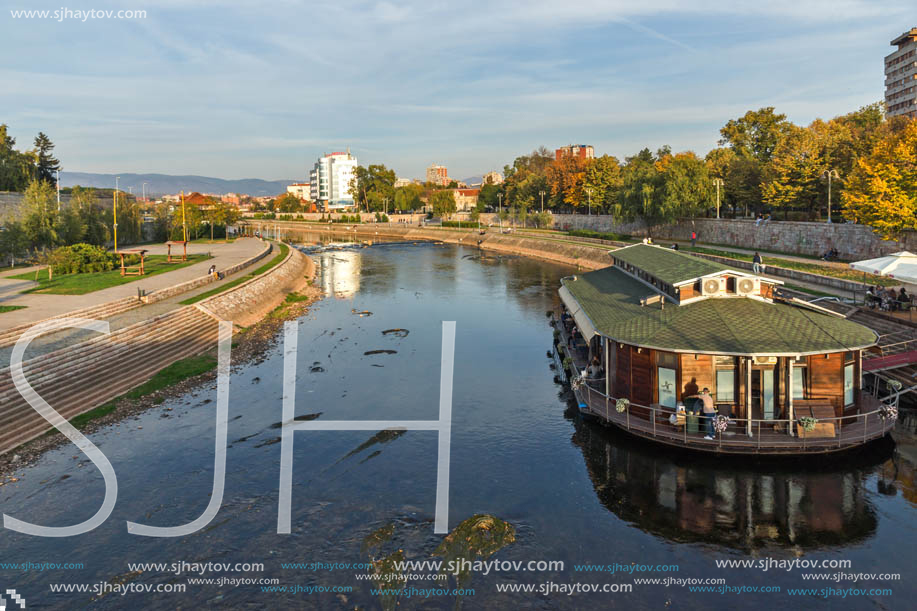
x=853, y=242
x=251, y=300
x=190, y=285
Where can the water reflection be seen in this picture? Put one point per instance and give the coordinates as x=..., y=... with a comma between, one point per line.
x=685, y=497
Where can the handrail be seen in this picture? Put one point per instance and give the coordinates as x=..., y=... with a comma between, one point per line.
x=669, y=411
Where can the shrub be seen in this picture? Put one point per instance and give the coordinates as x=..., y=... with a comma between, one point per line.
x=461, y=224
x=81, y=259
x=381, y=218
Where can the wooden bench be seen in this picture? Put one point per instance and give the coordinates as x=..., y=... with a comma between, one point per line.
x=823, y=412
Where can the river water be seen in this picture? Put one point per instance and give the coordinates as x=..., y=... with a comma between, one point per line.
x=569, y=490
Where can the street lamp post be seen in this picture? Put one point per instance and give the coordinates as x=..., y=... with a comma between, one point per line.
x=719, y=183
x=500, y=210
x=829, y=174
x=58, y=189
x=115, y=212
x=541, y=193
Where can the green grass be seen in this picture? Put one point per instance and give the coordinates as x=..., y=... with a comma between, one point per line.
x=812, y=268
x=80, y=284
x=4, y=308
x=282, y=251
x=173, y=374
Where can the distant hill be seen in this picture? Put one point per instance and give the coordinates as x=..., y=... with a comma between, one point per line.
x=473, y=180
x=160, y=184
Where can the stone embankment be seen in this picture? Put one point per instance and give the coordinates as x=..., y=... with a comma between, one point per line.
x=80, y=377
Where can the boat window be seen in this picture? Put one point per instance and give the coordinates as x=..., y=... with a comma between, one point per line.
x=666, y=359
x=800, y=375
x=848, y=384
x=725, y=379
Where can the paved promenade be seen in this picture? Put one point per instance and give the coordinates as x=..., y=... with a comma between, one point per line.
x=41, y=306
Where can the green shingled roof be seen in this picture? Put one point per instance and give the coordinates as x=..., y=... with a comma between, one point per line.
x=666, y=264
x=728, y=325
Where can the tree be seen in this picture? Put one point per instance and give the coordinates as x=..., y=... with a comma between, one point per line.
x=372, y=186
x=194, y=219
x=565, y=177
x=756, y=133
x=443, y=203
x=287, y=203
x=882, y=189
x=130, y=220
x=47, y=164
x=686, y=188
x=13, y=241
x=223, y=214
x=40, y=214
x=93, y=215
x=407, y=198
x=70, y=226
x=15, y=167
x=796, y=168
x=487, y=198
x=603, y=181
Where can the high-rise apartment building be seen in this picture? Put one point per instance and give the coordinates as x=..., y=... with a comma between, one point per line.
x=438, y=175
x=583, y=151
x=329, y=180
x=901, y=77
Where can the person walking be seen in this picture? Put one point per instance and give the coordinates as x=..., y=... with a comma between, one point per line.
x=756, y=263
x=693, y=239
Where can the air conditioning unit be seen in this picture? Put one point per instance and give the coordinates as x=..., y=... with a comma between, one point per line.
x=765, y=360
x=748, y=286
x=713, y=286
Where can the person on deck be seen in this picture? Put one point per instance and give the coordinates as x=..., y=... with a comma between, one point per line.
x=709, y=409
x=904, y=300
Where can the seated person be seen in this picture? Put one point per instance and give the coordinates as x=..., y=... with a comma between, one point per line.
x=904, y=300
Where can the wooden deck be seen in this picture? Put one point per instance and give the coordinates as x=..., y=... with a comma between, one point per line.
x=653, y=423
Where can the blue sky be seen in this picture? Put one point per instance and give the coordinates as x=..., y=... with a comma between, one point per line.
x=241, y=89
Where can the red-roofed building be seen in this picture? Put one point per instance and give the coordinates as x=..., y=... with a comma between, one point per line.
x=465, y=199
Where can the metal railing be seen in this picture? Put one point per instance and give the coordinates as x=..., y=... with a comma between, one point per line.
x=654, y=421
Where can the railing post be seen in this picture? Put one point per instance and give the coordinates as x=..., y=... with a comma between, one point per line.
x=759, y=435
x=865, y=424
x=654, y=420
x=606, y=409
x=628, y=417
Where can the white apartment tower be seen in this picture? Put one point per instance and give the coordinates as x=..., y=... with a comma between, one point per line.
x=329, y=180
x=901, y=77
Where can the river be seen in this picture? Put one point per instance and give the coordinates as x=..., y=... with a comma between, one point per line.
x=567, y=490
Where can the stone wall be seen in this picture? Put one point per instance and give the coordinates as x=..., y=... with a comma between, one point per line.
x=252, y=300
x=853, y=242
x=194, y=283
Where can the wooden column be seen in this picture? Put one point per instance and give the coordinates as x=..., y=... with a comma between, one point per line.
x=789, y=394
x=607, y=368
x=748, y=395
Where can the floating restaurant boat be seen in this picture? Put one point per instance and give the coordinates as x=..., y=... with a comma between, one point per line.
x=646, y=335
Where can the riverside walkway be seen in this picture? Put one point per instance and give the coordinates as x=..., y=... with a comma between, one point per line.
x=40, y=306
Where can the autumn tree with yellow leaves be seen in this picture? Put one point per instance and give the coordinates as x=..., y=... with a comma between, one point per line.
x=882, y=189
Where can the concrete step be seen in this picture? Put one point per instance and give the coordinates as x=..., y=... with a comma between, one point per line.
x=103, y=364
x=89, y=392
x=72, y=357
x=9, y=336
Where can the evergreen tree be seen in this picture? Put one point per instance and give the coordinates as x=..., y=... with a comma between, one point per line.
x=47, y=165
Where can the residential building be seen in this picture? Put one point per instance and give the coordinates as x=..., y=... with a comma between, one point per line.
x=901, y=77
x=492, y=178
x=583, y=151
x=465, y=199
x=233, y=199
x=403, y=182
x=329, y=180
x=438, y=175
x=302, y=190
